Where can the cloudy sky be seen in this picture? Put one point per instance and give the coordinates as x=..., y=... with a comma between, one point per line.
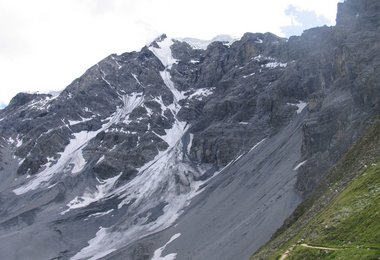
x=46, y=44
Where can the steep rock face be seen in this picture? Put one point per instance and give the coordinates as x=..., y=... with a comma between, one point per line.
x=349, y=98
x=354, y=13
x=120, y=153
x=239, y=112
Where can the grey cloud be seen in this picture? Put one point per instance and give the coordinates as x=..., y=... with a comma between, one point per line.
x=304, y=20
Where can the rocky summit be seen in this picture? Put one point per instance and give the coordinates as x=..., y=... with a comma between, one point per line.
x=186, y=149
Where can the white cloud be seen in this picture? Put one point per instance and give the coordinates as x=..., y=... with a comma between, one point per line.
x=46, y=44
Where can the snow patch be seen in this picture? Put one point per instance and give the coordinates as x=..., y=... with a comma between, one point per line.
x=203, y=44
x=100, y=159
x=174, y=134
x=258, y=57
x=89, y=197
x=271, y=64
x=258, y=40
x=42, y=104
x=256, y=145
x=158, y=252
x=249, y=75
x=130, y=102
x=75, y=122
x=299, y=165
x=149, y=111
x=10, y=140
x=99, y=214
x=199, y=94
x=137, y=80
x=164, y=53
x=300, y=106
x=18, y=142
x=165, y=75
x=100, y=235
x=190, y=143
x=81, y=140
x=71, y=159
x=275, y=64
x=196, y=44
x=20, y=162
x=162, y=105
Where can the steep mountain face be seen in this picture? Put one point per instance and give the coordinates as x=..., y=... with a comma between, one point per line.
x=244, y=130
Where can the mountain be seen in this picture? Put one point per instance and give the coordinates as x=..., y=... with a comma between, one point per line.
x=186, y=149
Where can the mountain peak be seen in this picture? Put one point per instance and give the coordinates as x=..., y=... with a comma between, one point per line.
x=159, y=38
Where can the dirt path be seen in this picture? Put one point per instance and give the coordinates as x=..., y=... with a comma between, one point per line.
x=320, y=247
x=290, y=249
x=285, y=255
x=287, y=252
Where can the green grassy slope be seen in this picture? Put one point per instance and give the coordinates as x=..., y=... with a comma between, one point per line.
x=342, y=216
x=351, y=224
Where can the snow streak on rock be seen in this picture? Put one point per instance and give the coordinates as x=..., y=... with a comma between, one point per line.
x=299, y=165
x=275, y=64
x=201, y=93
x=169, y=83
x=71, y=159
x=89, y=197
x=130, y=102
x=164, y=54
